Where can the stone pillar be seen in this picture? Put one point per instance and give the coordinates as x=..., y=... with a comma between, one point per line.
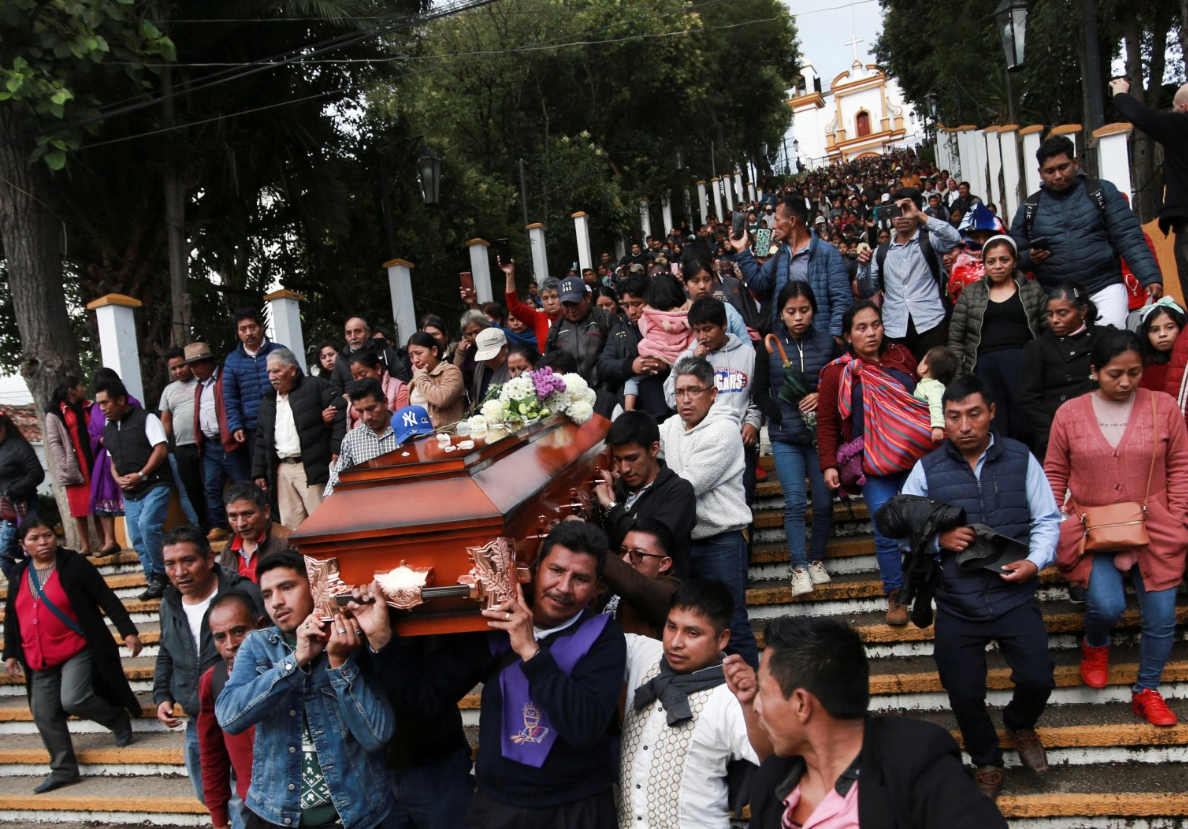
x=993, y=167
x=1030, y=138
x=728, y=192
x=976, y=172
x=540, y=262
x=480, y=268
x=1072, y=132
x=739, y=193
x=581, y=227
x=645, y=219
x=1008, y=143
x=620, y=249
x=403, y=310
x=701, y=203
x=716, y=188
x=117, y=340
x=1113, y=156
x=966, y=152
x=286, y=322
x=666, y=215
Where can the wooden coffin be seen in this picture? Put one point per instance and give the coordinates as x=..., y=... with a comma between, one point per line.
x=423, y=506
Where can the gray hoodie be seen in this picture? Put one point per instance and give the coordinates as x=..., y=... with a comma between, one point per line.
x=734, y=375
x=710, y=457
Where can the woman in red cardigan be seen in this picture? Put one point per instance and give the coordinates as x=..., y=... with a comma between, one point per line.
x=862, y=326
x=1100, y=453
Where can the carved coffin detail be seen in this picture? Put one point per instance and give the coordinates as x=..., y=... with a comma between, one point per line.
x=428, y=510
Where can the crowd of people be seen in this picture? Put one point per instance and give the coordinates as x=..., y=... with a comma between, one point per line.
x=979, y=387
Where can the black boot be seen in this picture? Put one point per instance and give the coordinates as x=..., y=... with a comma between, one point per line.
x=156, y=588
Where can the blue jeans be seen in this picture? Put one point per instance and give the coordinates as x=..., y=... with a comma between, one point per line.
x=143, y=520
x=724, y=557
x=217, y=467
x=193, y=758
x=1106, y=602
x=793, y=462
x=432, y=796
x=187, y=507
x=876, y=492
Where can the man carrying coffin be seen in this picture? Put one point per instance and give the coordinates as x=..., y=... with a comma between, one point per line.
x=551, y=675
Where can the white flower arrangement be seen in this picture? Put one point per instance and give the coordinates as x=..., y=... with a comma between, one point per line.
x=537, y=394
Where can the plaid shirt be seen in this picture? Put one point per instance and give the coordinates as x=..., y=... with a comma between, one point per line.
x=360, y=445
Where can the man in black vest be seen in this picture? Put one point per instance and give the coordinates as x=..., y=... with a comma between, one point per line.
x=988, y=582
x=136, y=441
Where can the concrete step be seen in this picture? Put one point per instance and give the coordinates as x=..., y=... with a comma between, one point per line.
x=151, y=753
x=15, y=718
x=103, y=801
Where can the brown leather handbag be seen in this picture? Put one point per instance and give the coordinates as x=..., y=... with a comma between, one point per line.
x=1116, y=527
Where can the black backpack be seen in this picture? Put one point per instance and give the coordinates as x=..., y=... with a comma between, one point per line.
x=1031, y=206
x=930, y=257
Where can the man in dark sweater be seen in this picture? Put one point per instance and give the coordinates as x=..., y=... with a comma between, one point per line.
x=873, y=772
x=551, y=676
x=139, y=450
x=1000, y=485
x=644, y=487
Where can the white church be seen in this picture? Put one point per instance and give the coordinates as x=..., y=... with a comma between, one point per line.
x=861, y=113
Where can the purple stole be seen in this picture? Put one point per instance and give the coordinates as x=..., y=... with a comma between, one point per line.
x=527, y=733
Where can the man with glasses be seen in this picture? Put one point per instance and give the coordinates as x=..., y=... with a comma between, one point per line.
x=639, y=580
x=642, y=487
x=703, y=445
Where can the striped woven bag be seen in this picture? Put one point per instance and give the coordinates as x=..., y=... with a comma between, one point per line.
x=897, y=430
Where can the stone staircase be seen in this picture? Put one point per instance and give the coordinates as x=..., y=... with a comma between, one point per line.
x=1109, y=769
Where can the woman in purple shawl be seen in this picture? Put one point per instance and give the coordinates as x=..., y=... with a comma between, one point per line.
x=107, y=501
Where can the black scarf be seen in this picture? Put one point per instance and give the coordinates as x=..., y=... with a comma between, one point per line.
x=673, y=689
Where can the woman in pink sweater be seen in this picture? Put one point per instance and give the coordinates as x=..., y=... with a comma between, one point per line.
x=663, y=327
x=1100, y=453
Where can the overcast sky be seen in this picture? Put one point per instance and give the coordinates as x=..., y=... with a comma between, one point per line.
x=824, y=27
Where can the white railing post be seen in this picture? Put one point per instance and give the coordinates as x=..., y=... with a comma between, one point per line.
x=118, y=345
x=404, y=311
x=480, y=269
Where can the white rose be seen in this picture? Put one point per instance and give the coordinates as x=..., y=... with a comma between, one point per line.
x=580, y=412
x=492, y=410
x=575, y=385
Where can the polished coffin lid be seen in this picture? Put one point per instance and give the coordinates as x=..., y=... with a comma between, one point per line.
x=423, y=505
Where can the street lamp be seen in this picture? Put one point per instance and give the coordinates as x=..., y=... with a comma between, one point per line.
x=1011, y=16
x=429, y=172
x=930, y=101
x=680, y=158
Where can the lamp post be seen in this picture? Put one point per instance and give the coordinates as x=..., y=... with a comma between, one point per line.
x=428, y=175
x=429, y=171
x=796, y=153
x=1011, y=18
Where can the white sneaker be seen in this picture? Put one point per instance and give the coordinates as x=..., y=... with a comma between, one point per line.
x=816, y=571
x=801, y=583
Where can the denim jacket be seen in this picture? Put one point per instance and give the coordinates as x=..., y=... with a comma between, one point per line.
x=349, y=722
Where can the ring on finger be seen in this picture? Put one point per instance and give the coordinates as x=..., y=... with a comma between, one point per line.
x=341, y=631
x=507, y=616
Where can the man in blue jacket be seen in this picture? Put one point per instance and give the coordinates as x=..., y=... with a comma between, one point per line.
x=321, y=722
x=803, y=256
x=1087, y=225
x=245, y=377
x=1000, y=485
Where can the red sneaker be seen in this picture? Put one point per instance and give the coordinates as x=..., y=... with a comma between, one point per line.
x=760, y=473
x=1095, y=665
x=1150, y=706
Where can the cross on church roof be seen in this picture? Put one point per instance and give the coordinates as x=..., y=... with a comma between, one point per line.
x=854, y=41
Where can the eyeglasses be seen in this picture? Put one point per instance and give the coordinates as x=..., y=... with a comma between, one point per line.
x=689, y=394
x=637, y=556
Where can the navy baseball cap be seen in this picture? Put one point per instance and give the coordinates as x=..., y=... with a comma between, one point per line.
x=571, y=289
x=411, y=421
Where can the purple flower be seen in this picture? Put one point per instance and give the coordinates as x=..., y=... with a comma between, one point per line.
x=546, y=382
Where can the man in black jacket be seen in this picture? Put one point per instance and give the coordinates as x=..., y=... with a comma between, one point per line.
x=644, y=487
x=357, y=333
x=1171, y=130
x=186, y=649
x=294, y=444
x=878, y=772
x=620, y=358
x=581, y=330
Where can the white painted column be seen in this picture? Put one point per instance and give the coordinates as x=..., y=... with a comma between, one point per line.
x=993, y=167
x=1070, y=131
x=117, y=340
x=645, y=219
x=716, y=188
x=976, y=175
x=620, y=249
x=739, y=193
x=965, y=151
x=689, y=208
x=581, y=227
x=1008, y=143
x=1030, y=138
x=1113, y=157
x=701, y=202
x=540, y=262
x=286, y=322
x=666, y=214
x=727, y=194
x=755, y=194
x=403, y=309
x=480, y=268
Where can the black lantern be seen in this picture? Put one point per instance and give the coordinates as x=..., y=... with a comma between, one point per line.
x=429, y=171
x=1011, y=17
x=680, y=158
x=930, y=100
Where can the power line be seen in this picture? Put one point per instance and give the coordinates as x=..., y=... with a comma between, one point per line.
x=545, y=45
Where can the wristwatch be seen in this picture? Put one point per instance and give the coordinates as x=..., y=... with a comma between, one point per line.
x=611, y=506
x=143, y=477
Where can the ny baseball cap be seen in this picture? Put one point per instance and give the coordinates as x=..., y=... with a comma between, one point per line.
x=571, y=289
x=411, y=421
